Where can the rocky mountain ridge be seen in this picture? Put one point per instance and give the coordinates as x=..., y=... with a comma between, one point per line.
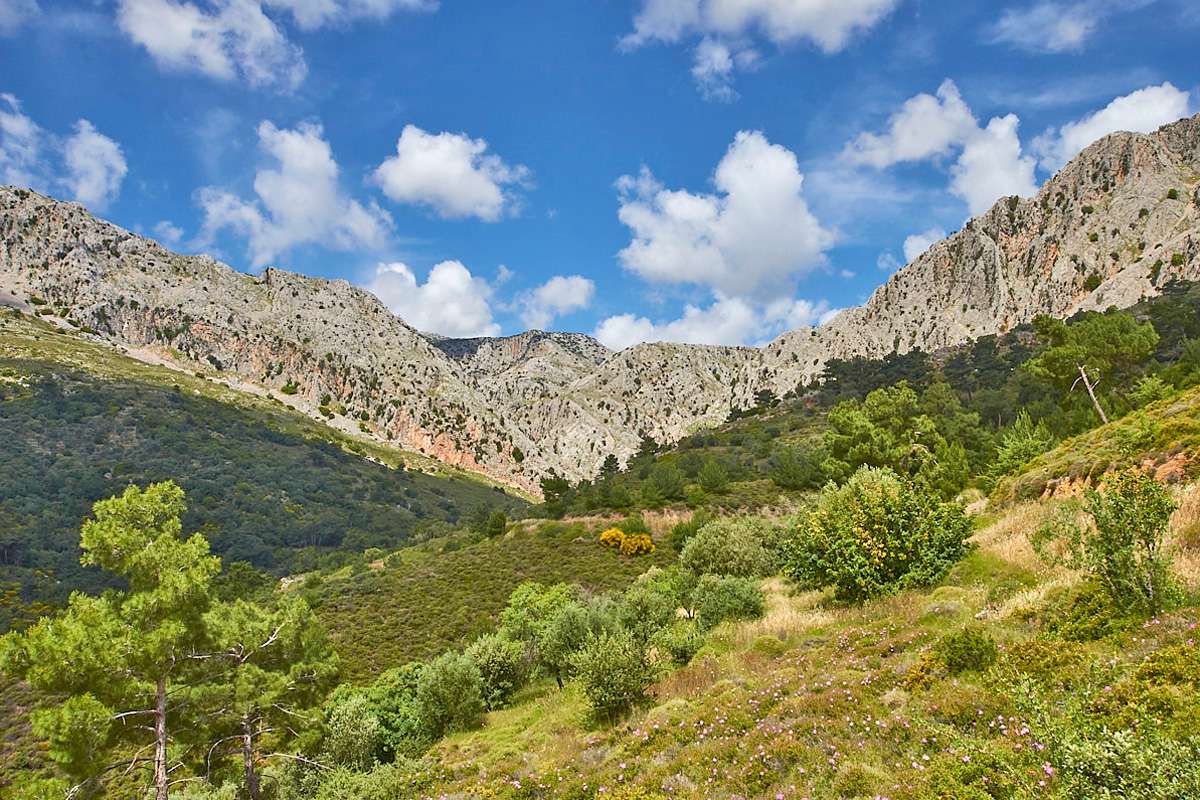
x=1115, y=224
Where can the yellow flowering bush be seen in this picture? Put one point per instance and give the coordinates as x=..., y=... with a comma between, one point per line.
x=628, y=544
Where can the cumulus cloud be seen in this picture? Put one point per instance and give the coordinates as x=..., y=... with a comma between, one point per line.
x=231, y=39
x=725, y=26
x=15, y=13
x=451, y=302
x=20, y=145
x=991, y=166
x=1142, y=111
x=726, y=321
x=925, y=126
x=451, y=173
x=95, y=166
x=828, y=24
x=916, y=244
x=990, y=162
x=560, y=295
x=87, y=165
x=297, y=202
x=237, y=39
x=1048, y=27
x=751, y=237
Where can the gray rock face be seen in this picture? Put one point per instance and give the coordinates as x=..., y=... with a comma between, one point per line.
x=1118, y=222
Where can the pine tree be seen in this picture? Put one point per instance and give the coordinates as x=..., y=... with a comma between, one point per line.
x=119, y=666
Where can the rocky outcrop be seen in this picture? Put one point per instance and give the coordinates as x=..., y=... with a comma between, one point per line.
x=1118, y=222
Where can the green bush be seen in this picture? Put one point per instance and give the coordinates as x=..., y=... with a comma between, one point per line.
x=717, y=599
x=732, y=546
x=1086, y=613
x=874, y=535
x=614, y=671
x=797, y=468
x=967, y=650
x=645, y=608
x=681, y=640
x=450, y=695
x=1124, y=548
x=682, y=532
x=501, y=665
x=352, y=733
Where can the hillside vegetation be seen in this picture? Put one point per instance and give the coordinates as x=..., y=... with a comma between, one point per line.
x=78, y=422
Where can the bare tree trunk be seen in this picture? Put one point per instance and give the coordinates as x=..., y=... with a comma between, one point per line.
x=1087, y=384
x=160, y=740
x=252, y=789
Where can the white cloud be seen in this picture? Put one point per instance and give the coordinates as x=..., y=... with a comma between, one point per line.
x=918, y=243
x=887, y=262
x=991, y=166
x=451, y=302
x=925, y=126
x=168, y=233
x=234, y=39
x=750, y=238
x=828, y=24
x=312, y=14
x=562, y=294
x=15, y=13
x=20, y=145
x=726, y=321
x=726, y=26
x=713, y=70
x=449, y=172
x=990, y=163
x=1142, y=111
x=95, y=166
x=237, y=39
x=299, y=202
x=87, y=165
x=1048, y=27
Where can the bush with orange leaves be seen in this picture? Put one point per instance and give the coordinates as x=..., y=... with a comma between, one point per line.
x=634, y=544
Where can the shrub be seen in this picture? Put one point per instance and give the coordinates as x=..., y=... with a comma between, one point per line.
x=1124, y=548
x=614, y=671
x=967, y=650
x=1177, y=260
x=290, y=388
x=1172, y=194
x=352, y=733
x=1085, y=614
x=874, y=535
x=728, y=547
x=627, y=544
x=797, y=468
x=564, y=634
x=393, y=698
x=713, y=477
x=449, y=695
x=680, y=640
x=682, y=532
x=501, y=665
x=645, y=608
x=717, y=599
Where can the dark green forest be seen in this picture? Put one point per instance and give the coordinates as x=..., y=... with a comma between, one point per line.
x=275, y=499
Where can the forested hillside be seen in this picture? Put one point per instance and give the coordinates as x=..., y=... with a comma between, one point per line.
x=267, y=486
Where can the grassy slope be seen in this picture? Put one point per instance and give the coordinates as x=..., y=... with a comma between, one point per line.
x=1164, y=433
x=815, y=699
x=432, y=597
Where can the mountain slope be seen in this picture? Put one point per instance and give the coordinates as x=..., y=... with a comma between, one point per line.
x=1118, y=222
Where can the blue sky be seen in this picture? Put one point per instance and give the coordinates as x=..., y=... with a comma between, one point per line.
x=700, y=170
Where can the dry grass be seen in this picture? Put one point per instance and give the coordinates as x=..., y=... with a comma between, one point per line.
x=1008, y=536
x=1184, y=538
x=786, y=614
